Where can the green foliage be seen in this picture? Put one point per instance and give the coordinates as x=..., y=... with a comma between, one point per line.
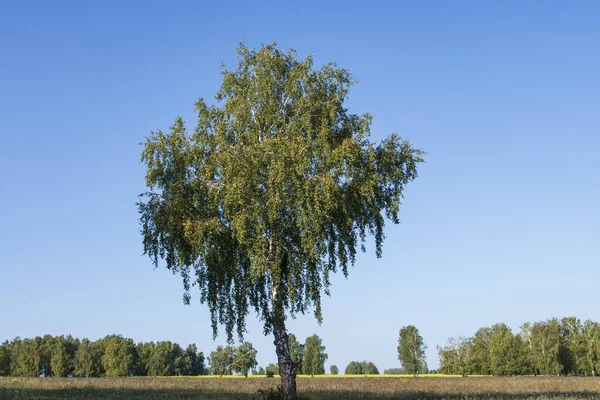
x=544, y=347
x=552, y=347
x=272, y=191
x=505, y=351
x=369, y=368
x=296, y=351
x=591, y=333
x=334, y=370
x=193, y=361
x=411, y=349
x=5, y=352
x=143, y=353
x=272, y=369
x=221, y=360
x=455, y=357
x=62, y=354
x=353, y=368
x=361, y=368
x=244, y=358
x=166, y=359
x=87, y=360
x=111, y=356
x=28, y=354
x=260, y=371
x=394, y=371
x=403, y=371
x=480, y=356
x=314, y=356
x=118, y=358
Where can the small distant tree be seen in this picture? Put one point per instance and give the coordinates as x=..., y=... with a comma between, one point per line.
x=368, y=368
x=333, y=370
x=314, y=356
x=272, y=370
x=261, y=371
x=244, y=358
x=221, y=360
x=394, y=371
x=353, y=368
x=411, y=349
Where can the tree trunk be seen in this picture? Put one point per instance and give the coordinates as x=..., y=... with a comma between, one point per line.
x=287, y=368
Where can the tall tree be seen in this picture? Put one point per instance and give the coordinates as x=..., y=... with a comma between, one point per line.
x=314, y=356
x=591, y=333
x=86, y=362
x=62, y=353
x=480, y=357
x=28, y=358
x=546, y=343
x=5, y=351
x=369, y=368
x=456, y=356
x=411, y=349
x=273, y=191
x=244, y=358
x=502, y=350
x=193, y=361
x=144, y=353
x=572, y=349
x=118, y=358
x=161, y=362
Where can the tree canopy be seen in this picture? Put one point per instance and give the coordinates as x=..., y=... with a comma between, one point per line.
x=411, y=349
x=272, y=191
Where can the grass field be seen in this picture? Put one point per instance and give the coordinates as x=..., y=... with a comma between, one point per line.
x=338, y=388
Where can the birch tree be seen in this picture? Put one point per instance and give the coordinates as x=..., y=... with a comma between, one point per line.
x=274, y=190
x=411, y=349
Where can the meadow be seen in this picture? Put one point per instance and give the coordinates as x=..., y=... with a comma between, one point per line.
x=326, y=387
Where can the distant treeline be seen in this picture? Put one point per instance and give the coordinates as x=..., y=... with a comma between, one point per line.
x=112, y=355
x=564, y=346
x=553, y=347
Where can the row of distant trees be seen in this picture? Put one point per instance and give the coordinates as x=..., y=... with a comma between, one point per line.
x=113, y=355
x=553, y=347
x=564, y=346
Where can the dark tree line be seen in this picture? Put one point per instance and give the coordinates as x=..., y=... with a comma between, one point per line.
x=113, y=355
x=552, y=347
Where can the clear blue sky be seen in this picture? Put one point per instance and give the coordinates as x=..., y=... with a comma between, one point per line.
x=502, y=225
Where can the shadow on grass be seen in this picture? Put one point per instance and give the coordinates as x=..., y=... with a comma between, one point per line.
x=188, y=394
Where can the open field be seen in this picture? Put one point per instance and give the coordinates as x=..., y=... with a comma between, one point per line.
x=338, y=388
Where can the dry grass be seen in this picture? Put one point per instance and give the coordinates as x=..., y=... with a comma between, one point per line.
x=335, y=388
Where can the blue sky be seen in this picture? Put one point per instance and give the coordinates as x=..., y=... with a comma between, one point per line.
x=502, y=225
